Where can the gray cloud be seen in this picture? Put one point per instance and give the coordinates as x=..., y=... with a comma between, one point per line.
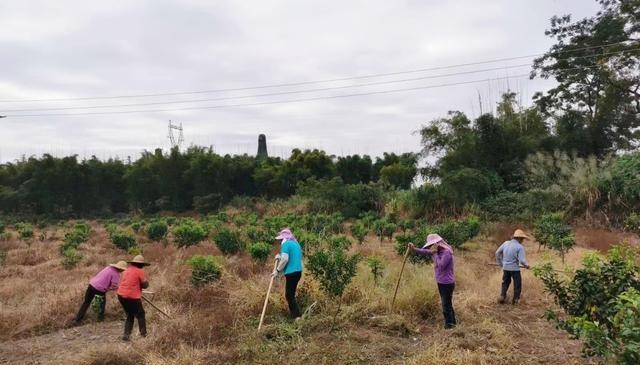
x=77, y=48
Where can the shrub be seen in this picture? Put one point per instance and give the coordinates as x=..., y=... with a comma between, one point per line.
x=309, y=241
x=388, y=229
x=600, y=304
x=376, y=266
x=334, y=269
x=340, y=240
x=204, y=269
x=260, y=251
x=95, y=305
x=551, y=230
x=134, y=250
x=70, y=258
x=358, y=231
x=239, y=220
x=632, y=223
x=123, y=239
x=228, y=241
x=170, y=220
x=75, y=237
x=5, y=236
x=335, y=196
x=519, y=207
x=157, y=230
x=402, y=241
x=407, y=224
x=257, y=235
x=378, y=228
x=136, y=226
x=2, y=227
x=111, y=228
x=25, y=230
x=457, y=232
x=189, y=233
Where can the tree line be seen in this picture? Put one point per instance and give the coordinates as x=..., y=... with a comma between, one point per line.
x=197, y=178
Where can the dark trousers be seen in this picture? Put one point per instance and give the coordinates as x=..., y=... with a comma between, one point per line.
x=446, y=298
x=133, y=308
x=290, y=292
x=506, y=281
x=88, y=298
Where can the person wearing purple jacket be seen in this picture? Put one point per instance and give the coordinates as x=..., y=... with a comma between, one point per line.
x=442, y=255
x=105, y=280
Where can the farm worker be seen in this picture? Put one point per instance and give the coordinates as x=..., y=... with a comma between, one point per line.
x=442, y=255
x=289, y=264
x=511, y=256
x=130, y=294
x=107, y=279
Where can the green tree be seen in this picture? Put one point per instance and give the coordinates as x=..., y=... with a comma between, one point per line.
x=594, y=62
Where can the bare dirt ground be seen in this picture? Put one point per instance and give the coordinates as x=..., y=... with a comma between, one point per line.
x=60, y=347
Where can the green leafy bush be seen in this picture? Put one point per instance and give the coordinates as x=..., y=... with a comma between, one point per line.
x=407, y=224
x=521, y=207
x=228, y=241
x=95, y=305
x=388, y=229
x=189, y=233
x=2, y=227
x=257, y=235
x=136, y=226
x=334, y=195
x=309, y=241
x=123, y=239
x=333, y=268
x=260, y=251
x=551, y=230
x=111, y=228
x=157, y=230
x=600, y=304
x=70, y=258
x=204, y=269
x=632, y=223
x=25, y=230
x=5, y=236
x=359, y=232
x=73, y=239
x=376, y=265
x=455, y=232
x=340, y=240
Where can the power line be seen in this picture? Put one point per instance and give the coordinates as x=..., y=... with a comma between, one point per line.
x=268, y=102
x=268, y=94
x=289, y=92
x=312, y=81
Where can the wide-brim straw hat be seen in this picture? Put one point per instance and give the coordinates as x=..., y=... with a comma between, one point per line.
x=520, y=234
x=139, y=260
x=121, y=265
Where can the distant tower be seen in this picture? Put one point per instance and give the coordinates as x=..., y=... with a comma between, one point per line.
x=175, y=141
x=262, y=146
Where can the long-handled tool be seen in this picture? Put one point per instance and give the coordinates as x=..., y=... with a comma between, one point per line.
x=522, y=267
x=404, y=261
x=266, y=299
x=156, y=308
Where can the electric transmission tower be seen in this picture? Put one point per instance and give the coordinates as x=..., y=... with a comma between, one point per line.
x=175, y=141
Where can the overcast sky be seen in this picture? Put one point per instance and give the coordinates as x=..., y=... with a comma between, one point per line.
x=75, y=49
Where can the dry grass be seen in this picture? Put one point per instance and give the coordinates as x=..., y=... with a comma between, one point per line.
x=216, y=323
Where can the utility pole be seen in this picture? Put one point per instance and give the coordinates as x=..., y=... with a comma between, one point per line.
x=175, y=141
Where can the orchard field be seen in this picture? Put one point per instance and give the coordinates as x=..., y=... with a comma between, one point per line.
x=215, y=308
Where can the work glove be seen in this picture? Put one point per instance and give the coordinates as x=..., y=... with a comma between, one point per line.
x=275, y=273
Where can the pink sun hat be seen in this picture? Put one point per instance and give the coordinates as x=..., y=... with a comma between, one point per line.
x=285, y=234
x=435, y=239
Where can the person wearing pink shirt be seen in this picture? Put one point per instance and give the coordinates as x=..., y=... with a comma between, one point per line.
x=105, y=280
